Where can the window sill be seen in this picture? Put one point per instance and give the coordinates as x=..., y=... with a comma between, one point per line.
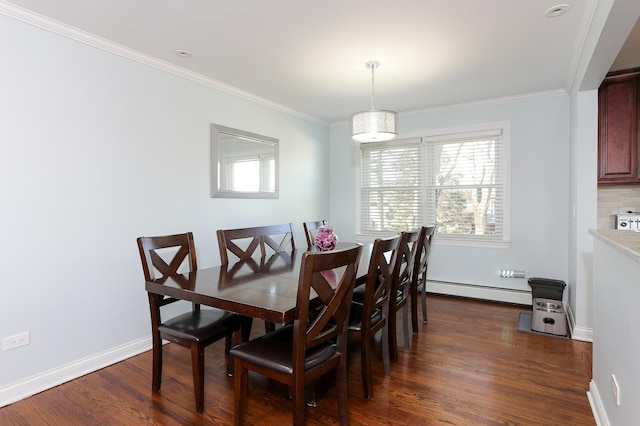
x=442, y=240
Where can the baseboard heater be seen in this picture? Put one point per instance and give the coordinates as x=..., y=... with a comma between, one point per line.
x=477, y=291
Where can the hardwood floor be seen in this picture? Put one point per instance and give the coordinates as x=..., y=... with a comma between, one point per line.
x=469, y=365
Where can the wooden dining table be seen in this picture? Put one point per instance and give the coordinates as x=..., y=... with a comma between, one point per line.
x=263, y=288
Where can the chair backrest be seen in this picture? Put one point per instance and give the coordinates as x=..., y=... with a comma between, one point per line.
x=309, y=231
x=179, y=248
x=258, y=236
x=331, y=275
x=407, y=249
x=421, y=261
x=380, y=276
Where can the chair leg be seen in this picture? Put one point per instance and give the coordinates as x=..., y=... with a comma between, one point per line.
x=240, y=385
x=341, y=391
x=405, y=324
x=298, y=401
x=312, y=393
x=239, y=336
x=393, y=342
x=157, y=363
x=197, y=364
x=385, y=349
x=366, y=361
x=414, y=308
x=269, y=327
x=424, y=304
x=245, y=328
x=227, y=344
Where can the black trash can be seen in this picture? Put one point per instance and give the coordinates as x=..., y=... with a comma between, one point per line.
x=548, y=310
x=545, y=288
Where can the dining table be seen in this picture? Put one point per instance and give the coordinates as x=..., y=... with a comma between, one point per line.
x=262, y=287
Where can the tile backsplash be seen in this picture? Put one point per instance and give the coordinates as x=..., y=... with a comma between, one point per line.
x=612, y=198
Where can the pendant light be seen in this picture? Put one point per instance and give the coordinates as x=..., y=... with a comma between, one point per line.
x=374, y=125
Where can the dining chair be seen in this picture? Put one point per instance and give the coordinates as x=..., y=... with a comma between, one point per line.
x=313, y=345
x=195, y=329
x=419, y=275
x=310, y=231
x=243, y=242
x=370, y=316
x=401, y=287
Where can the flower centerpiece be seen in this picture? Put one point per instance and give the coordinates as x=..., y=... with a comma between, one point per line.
x=326, y=239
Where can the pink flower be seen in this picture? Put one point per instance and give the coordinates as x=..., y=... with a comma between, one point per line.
x=326, y=239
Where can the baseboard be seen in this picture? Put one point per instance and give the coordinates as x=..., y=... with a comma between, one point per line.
x=596, y=405
x=497, y=294
x=520, y=297
x=578, y=333
x=49, y=379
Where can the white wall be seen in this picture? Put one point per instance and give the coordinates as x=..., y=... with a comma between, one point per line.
x=539, y=191
x=96, y=150
x=615, y=330
x=583, y=213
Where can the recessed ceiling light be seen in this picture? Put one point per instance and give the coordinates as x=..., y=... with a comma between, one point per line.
x=183, y=53
x=557, y=10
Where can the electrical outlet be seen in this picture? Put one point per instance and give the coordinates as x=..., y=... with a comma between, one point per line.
x=16, y=341
x=615, y=389
x=625, y=210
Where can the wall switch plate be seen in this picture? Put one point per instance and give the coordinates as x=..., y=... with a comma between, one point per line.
x=16, y=341
x=615, y=388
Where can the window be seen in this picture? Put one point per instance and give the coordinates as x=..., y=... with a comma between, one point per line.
x=391, y=185
x=458, y=181
x=249, y=173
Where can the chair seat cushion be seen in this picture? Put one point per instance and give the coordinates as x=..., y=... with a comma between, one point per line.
x=202, y=325
x=358, y=294
x=358, y=291
x=275, y=350
x=355, y=317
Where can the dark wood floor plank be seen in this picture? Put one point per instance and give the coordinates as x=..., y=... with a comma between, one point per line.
x=469, y=365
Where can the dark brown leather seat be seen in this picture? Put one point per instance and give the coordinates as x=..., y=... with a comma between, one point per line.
x=297, y=354
x=195, y=329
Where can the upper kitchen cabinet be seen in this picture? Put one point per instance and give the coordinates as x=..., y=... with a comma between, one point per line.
x=618, y=124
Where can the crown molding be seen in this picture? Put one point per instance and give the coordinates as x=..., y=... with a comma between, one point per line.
x=476, y=104
x=24, y=15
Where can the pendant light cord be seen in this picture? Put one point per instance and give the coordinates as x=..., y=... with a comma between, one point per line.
x=373, y=66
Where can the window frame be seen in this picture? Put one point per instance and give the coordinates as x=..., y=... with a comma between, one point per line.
x=426, y=137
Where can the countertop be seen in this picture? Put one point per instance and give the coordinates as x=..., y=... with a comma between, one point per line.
x=626, y=242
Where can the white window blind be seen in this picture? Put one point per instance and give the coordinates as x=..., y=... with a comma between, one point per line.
x=392, y=186
x=267, y=173
x=250, y=173
x=465, y=184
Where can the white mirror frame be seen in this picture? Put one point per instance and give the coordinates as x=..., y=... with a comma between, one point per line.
x=250, y=145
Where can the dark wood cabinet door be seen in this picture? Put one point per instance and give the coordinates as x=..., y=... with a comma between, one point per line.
x=618, y=153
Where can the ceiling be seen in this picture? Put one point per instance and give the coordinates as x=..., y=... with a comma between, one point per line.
x=629, y=56
x=309, y=57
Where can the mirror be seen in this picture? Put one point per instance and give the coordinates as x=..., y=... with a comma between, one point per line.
x=243, y=164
